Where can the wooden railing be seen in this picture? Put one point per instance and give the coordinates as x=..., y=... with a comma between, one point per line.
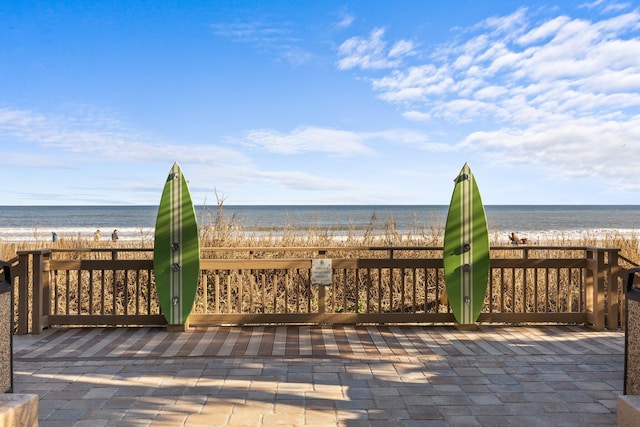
x=528, y=284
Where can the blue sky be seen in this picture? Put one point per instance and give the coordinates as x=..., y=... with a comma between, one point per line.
x=320, y=102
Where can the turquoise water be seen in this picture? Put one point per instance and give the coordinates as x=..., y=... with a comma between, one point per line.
x=25, y=223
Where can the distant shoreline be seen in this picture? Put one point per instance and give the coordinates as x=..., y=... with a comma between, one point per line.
x=139, y=235
x=537, y=223
x=230, y=236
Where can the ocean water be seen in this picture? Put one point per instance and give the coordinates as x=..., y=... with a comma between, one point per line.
x=135, y=223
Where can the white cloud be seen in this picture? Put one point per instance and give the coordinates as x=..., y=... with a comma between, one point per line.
x=487, y=65
x=253, y=31
x=372, y=52
x=307, y=139
x=470, y=110
x=31, y=160
x=313, y=139
x=266, y=36
x=616, y=7
x=401, y=48
x=94, y=132
x=298, y=180
x=580, y=148
x=592, y=4
x=560, y=93
x=490, y=92
x=96, y=141
x=542, y=32
x=416, y=84
x=607, y=6
x=294, y=55
x=509, y=26
x=345, y=19
x=417, y=116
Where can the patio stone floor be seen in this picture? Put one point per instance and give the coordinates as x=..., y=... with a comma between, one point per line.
x=352, y=376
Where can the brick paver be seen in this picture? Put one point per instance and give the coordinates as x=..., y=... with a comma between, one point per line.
x=471, y=383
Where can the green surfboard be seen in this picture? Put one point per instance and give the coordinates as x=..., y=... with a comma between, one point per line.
x=176, y=250
x=466, y=249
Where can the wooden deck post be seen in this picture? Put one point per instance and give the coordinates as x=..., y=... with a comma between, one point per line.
x=613, y=299
x=23, y=292
x=322, y=295
x=41, y=291
x=594, y=290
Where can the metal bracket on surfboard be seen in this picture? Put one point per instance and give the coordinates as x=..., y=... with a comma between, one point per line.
x=175, y=247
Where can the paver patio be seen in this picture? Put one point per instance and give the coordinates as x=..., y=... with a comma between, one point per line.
x=332, y=376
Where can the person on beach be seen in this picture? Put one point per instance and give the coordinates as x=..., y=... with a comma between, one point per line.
x=114, y=236
x=54, y=236
x=97, y=236
x=515, y=240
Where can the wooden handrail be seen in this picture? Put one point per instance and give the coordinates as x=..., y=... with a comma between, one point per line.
x=527, y=284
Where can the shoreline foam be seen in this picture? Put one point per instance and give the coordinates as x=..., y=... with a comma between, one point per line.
x=146, y=234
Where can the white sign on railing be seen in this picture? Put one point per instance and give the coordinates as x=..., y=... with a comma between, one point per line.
x=321, y=272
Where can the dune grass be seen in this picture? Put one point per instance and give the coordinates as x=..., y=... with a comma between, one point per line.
x=218, y=230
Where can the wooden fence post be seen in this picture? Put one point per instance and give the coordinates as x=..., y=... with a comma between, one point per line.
x=41, y=291
x=23, y=292
x=588, y=285
x=322, y=296
x=594, y=289
x=599, y=292
x=613, y=298
x=36, y=292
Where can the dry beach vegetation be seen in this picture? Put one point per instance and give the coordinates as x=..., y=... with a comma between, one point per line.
x=217, y=229
x=75, y=294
